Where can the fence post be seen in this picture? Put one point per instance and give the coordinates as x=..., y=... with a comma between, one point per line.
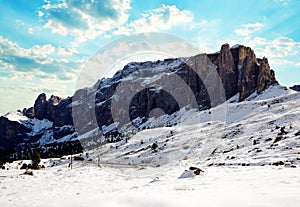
x=71, y=162
x=99, y=161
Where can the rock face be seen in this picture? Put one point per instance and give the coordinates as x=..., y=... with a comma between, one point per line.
x=227, y=71
x=239, y=70
x=11, y=133
x=40, y=106
x=54, y=109
x=295, y=87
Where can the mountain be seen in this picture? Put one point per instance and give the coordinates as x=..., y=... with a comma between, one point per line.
x=254, y=154
x=130, y=98
x=295, y=87
x=262, y=130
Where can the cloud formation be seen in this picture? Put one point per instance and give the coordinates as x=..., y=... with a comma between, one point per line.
x=89, y=19
x=277, y=48
x=26, y=72
x=67, y=52
x=84, y=19
x=162, y=18
x=37, y=59
x=248, y=29
x=9, y=48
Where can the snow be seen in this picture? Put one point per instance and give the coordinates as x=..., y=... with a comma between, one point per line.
x=69, y=137
x=39, y=125
x=243, y=163
x=275, y=91
x=15, y=116
x=187, y=174
x=93, y=186
x=35, y=124
x=156, y=89
x=111, y=127
x=233, y=99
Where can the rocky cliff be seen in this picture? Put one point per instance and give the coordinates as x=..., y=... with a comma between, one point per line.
x=295, y=87
x=240, y=72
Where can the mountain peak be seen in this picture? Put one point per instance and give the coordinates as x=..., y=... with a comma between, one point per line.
x=295, y=87
x=241, y=72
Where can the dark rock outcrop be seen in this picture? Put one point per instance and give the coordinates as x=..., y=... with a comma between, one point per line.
x=227, y=70
x=249, y=75
x=11, y=133
x=40, y=106
x=29, y=112
x=50, y=108
x=55, y=109
x=241, y=72
x=266, y=76
x=295, y=87
x=196, y=170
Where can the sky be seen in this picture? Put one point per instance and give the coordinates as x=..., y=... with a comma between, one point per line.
x=45, y=44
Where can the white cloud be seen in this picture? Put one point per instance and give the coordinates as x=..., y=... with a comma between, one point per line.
x=6, y=66
x=85, y=19
x=9, y=48
x=39, y=63
x=285, y=42
x=280, y=51
x=56, y=28
x=283, y=2
x=279, y=63
x=162, y=18
x=42, y=51
x=279, y=47
x=40, y=13
x=247, y=29
x=29, y=75
x=135, y=48
x=20, y=22
x=66, y=52
x=91, y=18
x=55, y=6
x=30, y=30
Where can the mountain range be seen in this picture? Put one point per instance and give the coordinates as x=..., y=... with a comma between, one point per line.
x=139, y=92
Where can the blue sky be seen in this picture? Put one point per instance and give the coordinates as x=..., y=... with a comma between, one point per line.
x=45, y=44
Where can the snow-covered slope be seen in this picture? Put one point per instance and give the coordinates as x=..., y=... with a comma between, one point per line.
x=260, y=131
x=249, y=151
x=234, y=133
x=94, y=186
x=43, y=129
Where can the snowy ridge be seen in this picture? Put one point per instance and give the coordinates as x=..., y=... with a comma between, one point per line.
x=15, y=116
x=275, y=91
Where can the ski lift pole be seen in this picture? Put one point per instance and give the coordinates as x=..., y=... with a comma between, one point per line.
x=99, y=161
x=71, y=162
